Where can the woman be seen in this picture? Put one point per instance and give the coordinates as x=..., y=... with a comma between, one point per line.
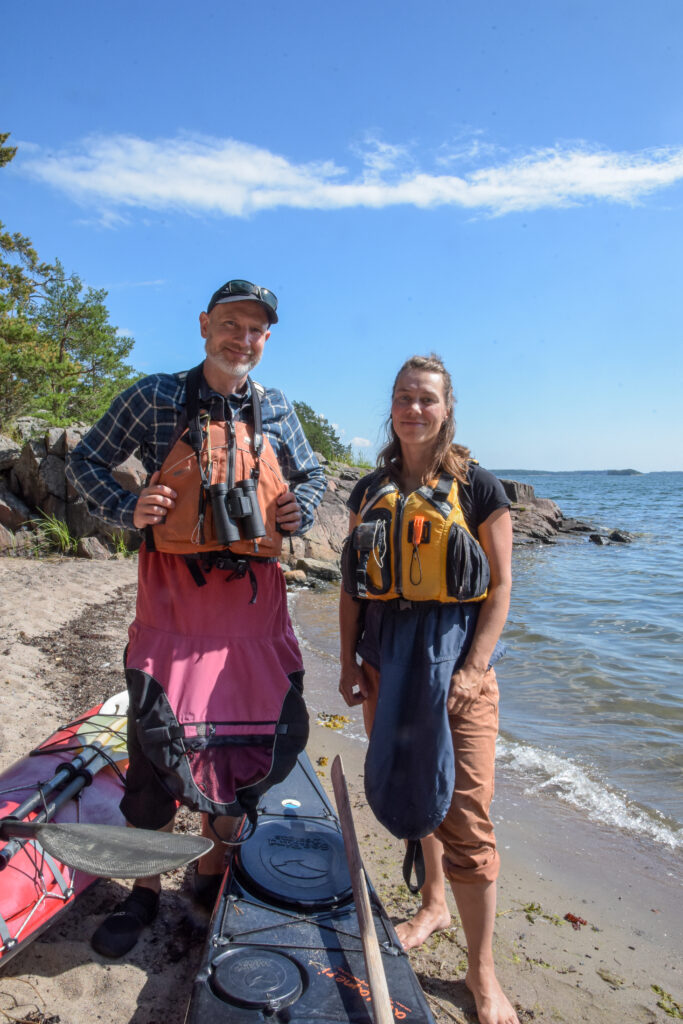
x=431, y=655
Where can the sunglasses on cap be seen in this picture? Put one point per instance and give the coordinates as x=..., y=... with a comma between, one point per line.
x=238, y=289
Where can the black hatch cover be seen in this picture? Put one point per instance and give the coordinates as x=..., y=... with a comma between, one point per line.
x=296, y=862
x=259, y=979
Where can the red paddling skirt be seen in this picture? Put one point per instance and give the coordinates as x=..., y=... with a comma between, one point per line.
x=217, y=655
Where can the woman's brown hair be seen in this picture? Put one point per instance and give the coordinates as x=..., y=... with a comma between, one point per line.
x=447, y=456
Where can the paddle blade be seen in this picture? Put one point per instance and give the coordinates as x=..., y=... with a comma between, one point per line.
x=111, y=851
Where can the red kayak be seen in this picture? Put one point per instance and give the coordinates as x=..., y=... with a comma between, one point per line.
x=74, y=776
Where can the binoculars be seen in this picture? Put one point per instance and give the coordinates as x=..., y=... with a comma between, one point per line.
x=236, y=512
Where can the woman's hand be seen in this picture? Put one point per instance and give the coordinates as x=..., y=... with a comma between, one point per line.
x=466, y=686
x=154, y=502
x=352, y=685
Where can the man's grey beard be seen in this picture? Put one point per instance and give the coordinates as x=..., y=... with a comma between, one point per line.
x=239, y=369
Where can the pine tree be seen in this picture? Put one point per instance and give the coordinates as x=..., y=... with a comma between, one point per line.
x=320, y=434
x=22, y=352
x=59, y=355
x=86, y=367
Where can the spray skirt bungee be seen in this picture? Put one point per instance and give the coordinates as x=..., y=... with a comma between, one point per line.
x=417, y=547
x=227, y=480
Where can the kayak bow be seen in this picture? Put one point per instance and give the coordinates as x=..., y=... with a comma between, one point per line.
x=75, y=775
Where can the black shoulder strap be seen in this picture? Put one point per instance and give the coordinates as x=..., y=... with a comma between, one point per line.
x=378, y=484
x=443, y=487
x=438, y=495
x=192, y=405
x=193, y=386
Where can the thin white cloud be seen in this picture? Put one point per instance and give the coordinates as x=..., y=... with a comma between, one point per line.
x=207, y=175
x=468, y=146
x=106, y=218
x=360, y=442
x=381, y=158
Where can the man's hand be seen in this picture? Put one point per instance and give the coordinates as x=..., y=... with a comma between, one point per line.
x=288, y=515
x=154, y=502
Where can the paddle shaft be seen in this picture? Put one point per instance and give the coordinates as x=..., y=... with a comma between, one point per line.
x=377, y=982
x=63, y=797
x=81, y=769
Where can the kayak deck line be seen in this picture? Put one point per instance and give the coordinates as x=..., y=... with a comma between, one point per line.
x=36, y=887
x=285, y=936
x=65, y=893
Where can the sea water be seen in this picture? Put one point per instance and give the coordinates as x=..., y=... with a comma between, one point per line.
x=592, y=683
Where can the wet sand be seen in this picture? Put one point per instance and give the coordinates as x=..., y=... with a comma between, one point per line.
x=62, y=632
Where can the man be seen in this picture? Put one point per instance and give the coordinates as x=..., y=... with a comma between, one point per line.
x=191, y=630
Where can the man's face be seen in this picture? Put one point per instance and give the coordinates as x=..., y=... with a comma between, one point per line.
x=235, y=333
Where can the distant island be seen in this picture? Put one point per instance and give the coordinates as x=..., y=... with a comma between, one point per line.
x=566, y=472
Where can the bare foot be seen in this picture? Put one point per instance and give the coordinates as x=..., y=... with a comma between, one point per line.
x=428, y=919
x=493, y=1006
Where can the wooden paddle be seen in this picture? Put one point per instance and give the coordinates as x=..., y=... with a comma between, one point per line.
x=377, y=982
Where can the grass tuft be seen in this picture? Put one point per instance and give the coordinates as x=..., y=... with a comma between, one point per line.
x=55, y=533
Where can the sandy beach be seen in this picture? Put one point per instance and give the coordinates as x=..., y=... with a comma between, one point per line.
x=62, y=633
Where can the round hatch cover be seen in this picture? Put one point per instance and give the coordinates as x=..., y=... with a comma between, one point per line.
x=258, y=979
x=296, y=862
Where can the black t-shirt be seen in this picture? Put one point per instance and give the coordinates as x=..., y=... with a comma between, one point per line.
x=479, y=497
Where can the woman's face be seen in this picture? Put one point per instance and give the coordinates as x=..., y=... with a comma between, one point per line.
x=418, y=407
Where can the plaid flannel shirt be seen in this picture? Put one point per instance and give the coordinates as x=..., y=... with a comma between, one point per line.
x=143, y=419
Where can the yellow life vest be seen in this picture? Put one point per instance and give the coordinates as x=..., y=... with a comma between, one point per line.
x=417, y=547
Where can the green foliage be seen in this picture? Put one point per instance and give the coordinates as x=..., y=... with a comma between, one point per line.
x=21, y=277
x=121, y=549
x=55, y=533
x=59, y=355
x=321, y=435
x=85, y=368
x=22, y=359
x=7, y=153
x=667, y=1003
x=21, y=272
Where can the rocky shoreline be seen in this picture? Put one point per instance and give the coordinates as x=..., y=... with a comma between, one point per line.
x=36, y=501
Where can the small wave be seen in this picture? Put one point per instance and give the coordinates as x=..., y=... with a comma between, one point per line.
x=544, y=772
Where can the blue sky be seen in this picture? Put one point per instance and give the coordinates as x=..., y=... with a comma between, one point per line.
x=499, y=182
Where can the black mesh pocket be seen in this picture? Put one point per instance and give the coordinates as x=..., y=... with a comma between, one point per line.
x=349, y=566
x=366, y=556
x=467, y=567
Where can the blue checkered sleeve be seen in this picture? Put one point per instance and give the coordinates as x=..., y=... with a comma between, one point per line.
x=300, y=467
x=141, y=419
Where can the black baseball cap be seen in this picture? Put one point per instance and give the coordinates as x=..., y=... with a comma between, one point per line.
x=242, y=291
